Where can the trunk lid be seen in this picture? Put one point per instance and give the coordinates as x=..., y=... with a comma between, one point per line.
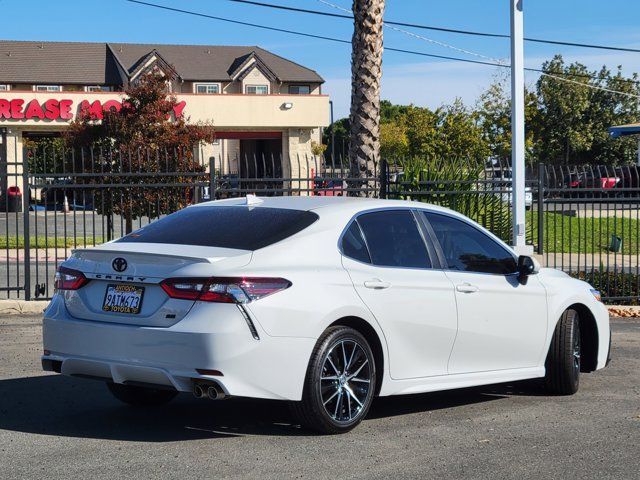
x=141, y=267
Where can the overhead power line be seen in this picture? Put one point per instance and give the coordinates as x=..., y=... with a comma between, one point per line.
x=420, y=37
x=392, y=49
x=498, y=61
x=439, y=29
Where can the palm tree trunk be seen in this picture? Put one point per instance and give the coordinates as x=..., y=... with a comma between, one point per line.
x=366, y=73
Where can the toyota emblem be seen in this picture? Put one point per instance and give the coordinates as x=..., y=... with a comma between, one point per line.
x=119, y=264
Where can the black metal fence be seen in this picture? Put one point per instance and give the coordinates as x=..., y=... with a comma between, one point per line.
x=583, y=220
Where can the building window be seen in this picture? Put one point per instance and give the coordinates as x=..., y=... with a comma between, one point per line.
x=299, y=89
x=257, y=89
x=48, y=88
x=4, y=88
x=98, y=88
x=207, y=88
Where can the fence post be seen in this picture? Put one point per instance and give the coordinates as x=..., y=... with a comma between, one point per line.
x=26, y=193
x=541, y=175
x=383, y=178
x=212, y=178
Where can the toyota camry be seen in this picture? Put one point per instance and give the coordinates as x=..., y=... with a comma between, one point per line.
x=324, y=302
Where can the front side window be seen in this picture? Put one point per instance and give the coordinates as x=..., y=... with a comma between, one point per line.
x=468, y=249
x=257, y=89
x=4, y=88
x=394, y=240
x=353, y=245
x=48, y=88
x=208, y=88
x=299, y=90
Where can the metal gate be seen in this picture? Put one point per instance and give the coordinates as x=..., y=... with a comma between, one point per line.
x=78, y=199
x=14, y=266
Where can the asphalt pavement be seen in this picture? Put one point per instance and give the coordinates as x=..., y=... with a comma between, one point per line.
x=57, y=427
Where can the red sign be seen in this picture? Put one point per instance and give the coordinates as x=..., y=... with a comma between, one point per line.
x=61, y=109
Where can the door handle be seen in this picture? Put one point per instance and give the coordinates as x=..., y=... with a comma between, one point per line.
x=467, y=288
x=376, y=284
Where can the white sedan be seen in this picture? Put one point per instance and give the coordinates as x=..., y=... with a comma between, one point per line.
x=325, y=302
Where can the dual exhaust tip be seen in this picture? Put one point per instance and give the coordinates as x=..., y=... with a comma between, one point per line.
x=212, y=391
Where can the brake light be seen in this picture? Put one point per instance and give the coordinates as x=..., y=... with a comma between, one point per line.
x=69, y=279
x=223, y=289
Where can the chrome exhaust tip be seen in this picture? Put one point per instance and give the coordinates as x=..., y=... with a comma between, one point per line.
x=213, y=394
x=208, y=390
x=198, y=391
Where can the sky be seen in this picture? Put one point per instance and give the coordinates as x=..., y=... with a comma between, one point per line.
x=406, y=78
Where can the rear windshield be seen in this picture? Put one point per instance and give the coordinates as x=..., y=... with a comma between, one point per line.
x=240, y=227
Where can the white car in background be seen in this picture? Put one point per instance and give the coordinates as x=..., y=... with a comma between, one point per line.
x=325, y=302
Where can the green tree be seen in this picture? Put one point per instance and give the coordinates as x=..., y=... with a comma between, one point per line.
x=494, y=111
x=574, y=117
x=394, y=142
x=460, y=134
x=566, y=128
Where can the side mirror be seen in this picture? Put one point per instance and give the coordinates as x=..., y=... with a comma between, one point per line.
x=527, y=266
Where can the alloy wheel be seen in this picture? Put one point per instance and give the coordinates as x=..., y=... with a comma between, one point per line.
x=345, y=381
x=576, y=351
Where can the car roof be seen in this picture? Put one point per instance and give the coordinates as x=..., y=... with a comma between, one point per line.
x=321, y=204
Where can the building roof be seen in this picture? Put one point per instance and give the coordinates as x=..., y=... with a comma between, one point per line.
x=623, y=130
x=111, y=63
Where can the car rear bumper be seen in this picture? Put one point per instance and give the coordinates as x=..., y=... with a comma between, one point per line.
x=210, y=337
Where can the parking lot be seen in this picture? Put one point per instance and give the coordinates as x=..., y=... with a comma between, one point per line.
x=57, y=427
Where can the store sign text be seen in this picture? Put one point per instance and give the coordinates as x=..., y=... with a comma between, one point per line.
x=52, y=109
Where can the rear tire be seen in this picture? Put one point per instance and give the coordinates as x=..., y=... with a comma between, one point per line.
x=340, y=382
x=141, y=396
x=563, y=360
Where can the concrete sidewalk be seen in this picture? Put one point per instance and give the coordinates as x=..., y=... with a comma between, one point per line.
x=22, y=307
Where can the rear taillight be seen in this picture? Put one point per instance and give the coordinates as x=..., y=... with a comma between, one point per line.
x=69, y=279
x=223, y=289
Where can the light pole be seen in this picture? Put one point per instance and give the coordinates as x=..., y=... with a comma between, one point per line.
x=517, y=128
x=333, y=136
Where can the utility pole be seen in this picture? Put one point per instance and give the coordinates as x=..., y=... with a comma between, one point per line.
x=517, y=128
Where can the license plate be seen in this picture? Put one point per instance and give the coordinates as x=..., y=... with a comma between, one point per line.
x=123, y=299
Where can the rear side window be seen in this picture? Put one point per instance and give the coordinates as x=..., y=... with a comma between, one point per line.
x=239, y=227
x=353, y=245
x=394, y=239
x=468, y=249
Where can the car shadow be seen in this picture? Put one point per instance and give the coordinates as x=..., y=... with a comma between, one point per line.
x=62, y=406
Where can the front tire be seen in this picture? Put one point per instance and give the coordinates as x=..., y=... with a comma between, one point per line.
x=141, y=396
x=340, y=382
x=563, y=360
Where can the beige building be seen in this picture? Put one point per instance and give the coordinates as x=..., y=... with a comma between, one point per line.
x=259, y=103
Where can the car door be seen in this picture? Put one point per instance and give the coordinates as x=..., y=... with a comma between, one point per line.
x=502, y=323
x=389, y=263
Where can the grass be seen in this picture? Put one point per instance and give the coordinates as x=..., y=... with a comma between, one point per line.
x=566, y=234
x=48, y=242
x=563, y=234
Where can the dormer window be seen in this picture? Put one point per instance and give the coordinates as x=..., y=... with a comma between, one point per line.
x=257, y=89
x=207, y=88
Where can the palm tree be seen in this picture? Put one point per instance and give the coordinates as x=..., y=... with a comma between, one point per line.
x=366, y=72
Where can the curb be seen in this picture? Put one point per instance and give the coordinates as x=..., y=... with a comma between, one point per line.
x=22, y=307
x=624, y=311
x=33, y=307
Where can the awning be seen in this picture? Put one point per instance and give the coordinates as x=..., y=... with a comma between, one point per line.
x=623, y=130
x=251, y=135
